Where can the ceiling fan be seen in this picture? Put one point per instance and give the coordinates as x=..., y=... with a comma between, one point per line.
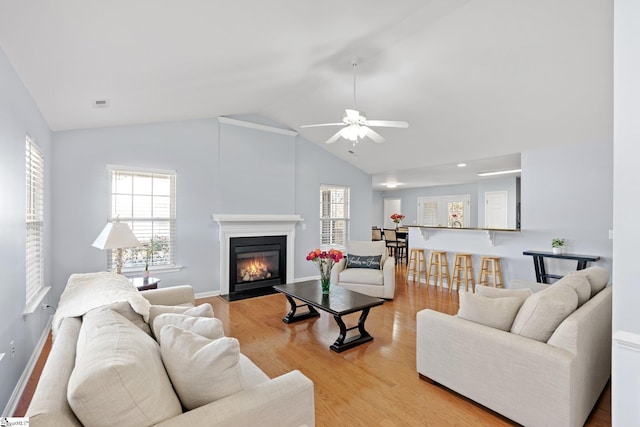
x=356, y=125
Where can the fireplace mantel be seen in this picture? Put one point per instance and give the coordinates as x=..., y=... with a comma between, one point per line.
x=232, y=225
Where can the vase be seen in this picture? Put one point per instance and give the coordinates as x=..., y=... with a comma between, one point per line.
x=557, y=251
x=326, y=283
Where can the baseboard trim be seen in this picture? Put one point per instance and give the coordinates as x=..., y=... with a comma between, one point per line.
x=206, y=294
x=627, y=340
x=12, y=404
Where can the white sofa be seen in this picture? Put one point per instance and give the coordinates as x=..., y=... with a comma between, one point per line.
x=287, y=400
x=553, y=383
x=380, y=283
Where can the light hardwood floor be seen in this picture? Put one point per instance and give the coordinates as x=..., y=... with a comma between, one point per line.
x=375, y=384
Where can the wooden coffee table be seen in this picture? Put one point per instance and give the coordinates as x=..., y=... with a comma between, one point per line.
x=339, y=302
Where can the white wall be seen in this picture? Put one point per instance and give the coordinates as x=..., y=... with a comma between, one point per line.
x=626, y=296
x=566, y=192
x=18, y=116
x=315, y=166
x=221, y=168
x=80, y=206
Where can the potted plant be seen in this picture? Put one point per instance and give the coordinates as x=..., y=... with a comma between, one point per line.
x=557, y=245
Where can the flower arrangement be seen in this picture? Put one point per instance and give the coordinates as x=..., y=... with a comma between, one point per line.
x=396, y=217
x=325, y=261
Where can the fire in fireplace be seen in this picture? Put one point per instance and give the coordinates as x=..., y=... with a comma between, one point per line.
x=256, y=264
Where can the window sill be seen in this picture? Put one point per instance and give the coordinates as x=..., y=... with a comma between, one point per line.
x=134, y=272
x=35, y=302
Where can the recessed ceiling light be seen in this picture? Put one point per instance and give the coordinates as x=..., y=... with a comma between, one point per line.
x=462, y=165
x=391, y=184
x=498, y=172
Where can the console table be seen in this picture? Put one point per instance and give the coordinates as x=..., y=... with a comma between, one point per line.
x=538, y=262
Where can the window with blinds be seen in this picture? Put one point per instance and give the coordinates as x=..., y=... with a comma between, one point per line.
x=146, y=201
x=34, y=220
x=334, y=215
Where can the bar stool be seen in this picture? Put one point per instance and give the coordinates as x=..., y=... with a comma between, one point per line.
x=491, y=267
x=417, y=264
x=463, y=265
x=438, y=261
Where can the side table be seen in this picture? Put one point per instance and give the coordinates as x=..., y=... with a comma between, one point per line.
x=144, y=284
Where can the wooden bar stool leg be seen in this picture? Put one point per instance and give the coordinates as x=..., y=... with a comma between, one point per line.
x=445, y=268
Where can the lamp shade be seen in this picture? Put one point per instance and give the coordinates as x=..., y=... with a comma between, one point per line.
x=116, y=235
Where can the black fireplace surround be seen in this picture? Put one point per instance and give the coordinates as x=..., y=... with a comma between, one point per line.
x=255, y=265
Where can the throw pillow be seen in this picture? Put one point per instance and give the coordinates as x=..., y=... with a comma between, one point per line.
x=496, y=313
x=201, y=370
x=578, y=283
x=491, y=292
x=119, y=379
x=543, y=311
x=597, y=276
x=362, y=261
x=207, y=327
x=203, y=310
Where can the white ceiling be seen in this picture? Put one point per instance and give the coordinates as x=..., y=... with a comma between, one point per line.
x=476, y=79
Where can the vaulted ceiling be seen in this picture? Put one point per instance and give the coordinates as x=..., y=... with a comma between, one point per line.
x=478, y=80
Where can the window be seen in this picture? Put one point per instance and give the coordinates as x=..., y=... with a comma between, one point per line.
x=34, y=217
x=445, y=211
x=334, y=215
x=146, y=200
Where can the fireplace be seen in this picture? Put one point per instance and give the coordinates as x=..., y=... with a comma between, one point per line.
x=232, y=226
x=256, y=264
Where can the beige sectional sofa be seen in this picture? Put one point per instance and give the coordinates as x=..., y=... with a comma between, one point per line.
x=140, y=392
x=528, y=369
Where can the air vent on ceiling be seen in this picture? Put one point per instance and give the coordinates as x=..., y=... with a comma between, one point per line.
x=100, y=103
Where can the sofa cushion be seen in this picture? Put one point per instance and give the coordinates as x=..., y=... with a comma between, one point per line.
x=578, y=283
x=363, y=276
x=597, y=276
x=119, y=378
x=364, y=261
x=207, y=327
x=203, y=310
x=201, y=370
x=491, y=292
x=125, y=310
x=543, y=311
x=496, y=313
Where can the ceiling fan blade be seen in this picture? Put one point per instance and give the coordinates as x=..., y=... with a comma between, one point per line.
x=334, y=138
x=323, y=124
x=388, y=123
x=375, y=136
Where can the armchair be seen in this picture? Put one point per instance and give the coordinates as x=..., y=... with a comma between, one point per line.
x=379, y=283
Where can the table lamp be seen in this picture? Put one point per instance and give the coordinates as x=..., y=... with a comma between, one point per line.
x=116, y=235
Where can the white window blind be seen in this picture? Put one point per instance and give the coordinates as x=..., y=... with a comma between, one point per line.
x=34, y=229
x=146, y=200
x=334, y=215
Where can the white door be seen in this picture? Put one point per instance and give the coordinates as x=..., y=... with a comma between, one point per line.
x=391, y=206
x=495, y=209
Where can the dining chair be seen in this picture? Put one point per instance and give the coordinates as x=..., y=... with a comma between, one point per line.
x=376, y=234
x=396, y=247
